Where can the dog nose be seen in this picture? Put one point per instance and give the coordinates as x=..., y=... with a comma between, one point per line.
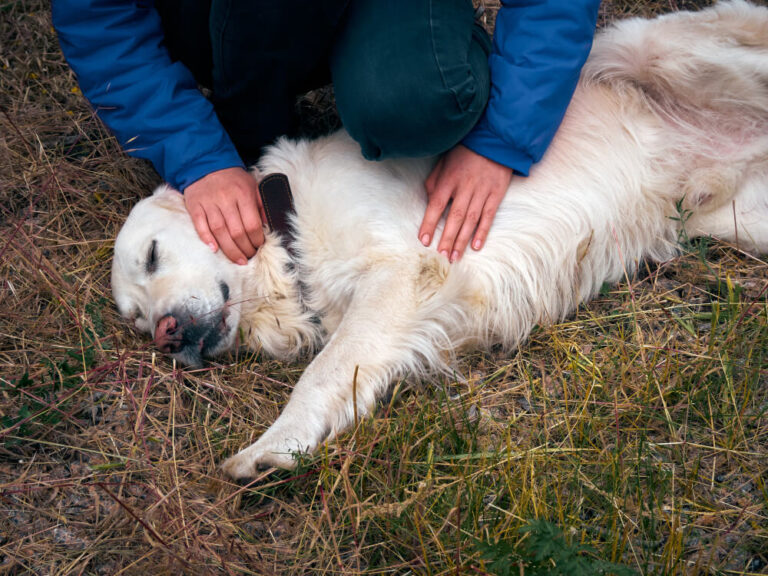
x=168, y=334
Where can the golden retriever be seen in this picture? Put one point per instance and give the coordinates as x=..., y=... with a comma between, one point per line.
x=670, y=118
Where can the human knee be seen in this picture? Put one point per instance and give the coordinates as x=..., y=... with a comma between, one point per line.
x=417, y=93
x=405, y=116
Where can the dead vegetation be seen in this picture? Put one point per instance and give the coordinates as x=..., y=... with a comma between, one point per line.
x=639, y=426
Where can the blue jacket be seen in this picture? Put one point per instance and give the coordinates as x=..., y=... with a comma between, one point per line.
x=155, y=110
x=539, y=48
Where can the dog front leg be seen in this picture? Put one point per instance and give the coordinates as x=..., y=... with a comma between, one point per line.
x=376, y=339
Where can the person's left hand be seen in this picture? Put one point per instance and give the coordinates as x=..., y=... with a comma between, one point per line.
x=476, y=186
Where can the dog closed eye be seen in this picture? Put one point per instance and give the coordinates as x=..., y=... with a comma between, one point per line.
x=150, y=265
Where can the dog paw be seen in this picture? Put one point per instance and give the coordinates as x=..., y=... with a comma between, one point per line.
x=271, y=450
x=246, y=465
x=294, y=433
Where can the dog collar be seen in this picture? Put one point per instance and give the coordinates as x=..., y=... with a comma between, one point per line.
x=278, y=205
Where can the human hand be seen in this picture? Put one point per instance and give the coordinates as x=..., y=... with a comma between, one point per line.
x=477, y=186
x=226, y=209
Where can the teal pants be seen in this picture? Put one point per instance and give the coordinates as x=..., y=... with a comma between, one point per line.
x=410, y=76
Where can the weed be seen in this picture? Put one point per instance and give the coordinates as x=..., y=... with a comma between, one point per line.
x=544, y=550
x=682, y=217
x=43, y=404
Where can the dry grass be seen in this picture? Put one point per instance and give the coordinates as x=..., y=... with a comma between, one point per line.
x=640, y=425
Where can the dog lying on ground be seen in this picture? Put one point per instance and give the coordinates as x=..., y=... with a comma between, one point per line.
x=670, y=117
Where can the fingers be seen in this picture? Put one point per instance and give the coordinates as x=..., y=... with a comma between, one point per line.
x=490, y=208
x=435, y=208
x=470, y=217
x=236, y=232
x=201, y=226
x=226, y=212
x=212, y=228
x=250, y=214
x=436, y=204
x=220, y=228
x=262, y=213
x=475, y=187
x=453, y=223
x=467, y=201
x=467, y=226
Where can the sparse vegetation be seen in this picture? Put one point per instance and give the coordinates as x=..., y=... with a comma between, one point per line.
x=630, y=439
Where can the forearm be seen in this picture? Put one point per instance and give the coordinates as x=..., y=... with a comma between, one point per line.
x=539, y=50
x=150, y=103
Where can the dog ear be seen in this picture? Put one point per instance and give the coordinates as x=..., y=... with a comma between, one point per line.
x=165, y=189
x=169, y=198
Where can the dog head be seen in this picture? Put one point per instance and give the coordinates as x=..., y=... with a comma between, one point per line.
x=171, y=285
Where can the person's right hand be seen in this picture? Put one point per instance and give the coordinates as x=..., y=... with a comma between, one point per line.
x=226, y=209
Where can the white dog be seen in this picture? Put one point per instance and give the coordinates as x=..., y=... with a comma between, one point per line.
x=670, y=119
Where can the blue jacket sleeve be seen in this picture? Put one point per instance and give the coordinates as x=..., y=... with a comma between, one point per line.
x=539, y=48
x=150, y=103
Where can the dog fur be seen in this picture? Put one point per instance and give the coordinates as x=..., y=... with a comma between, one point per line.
x=670, y=117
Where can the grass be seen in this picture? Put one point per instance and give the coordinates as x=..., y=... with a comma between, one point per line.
x=632, y=438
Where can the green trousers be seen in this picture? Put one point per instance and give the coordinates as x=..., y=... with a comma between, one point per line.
x=410, y=76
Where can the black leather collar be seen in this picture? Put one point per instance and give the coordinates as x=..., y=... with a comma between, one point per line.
x=278, y=205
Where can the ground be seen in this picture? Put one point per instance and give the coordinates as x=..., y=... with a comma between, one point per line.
x=638, y=427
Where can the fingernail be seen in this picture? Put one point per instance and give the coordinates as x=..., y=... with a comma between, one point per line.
x=476, y=244
x=425, y=239
x=242, y=262
x=212, y=246
x=444, y=253
x=454, y=255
